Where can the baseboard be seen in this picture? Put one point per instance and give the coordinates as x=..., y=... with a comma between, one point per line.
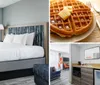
x=16, y=74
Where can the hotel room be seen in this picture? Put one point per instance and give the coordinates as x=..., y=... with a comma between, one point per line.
x=60, y=64
x=82, y=62
x=23, y=42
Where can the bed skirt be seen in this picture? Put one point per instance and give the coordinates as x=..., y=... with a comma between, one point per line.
x=20, y=64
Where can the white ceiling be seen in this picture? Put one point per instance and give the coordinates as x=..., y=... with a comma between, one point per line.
x=86, y=45
x=60, y=47
x=4, y=3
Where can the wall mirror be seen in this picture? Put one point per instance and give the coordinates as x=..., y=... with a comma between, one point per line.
x=92, y=53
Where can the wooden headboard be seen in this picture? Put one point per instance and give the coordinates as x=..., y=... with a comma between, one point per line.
x=41, y=33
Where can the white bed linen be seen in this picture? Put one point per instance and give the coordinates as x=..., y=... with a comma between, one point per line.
x=14, y=51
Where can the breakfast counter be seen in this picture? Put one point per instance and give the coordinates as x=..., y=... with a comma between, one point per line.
x=85, y=74
x=94, y=66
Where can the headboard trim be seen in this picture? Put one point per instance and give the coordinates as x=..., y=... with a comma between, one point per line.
x=38, y=28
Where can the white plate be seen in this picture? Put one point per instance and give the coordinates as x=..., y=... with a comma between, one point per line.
x=56, y=38
x=96, y=5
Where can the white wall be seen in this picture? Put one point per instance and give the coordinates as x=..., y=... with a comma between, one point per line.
x=26, y=12
x=82, y=54
x=67, y=55
x=54, y=59
x=78, y=53
x=75, y=53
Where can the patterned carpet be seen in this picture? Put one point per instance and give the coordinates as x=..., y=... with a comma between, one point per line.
x=19, y=81
x=63, y=80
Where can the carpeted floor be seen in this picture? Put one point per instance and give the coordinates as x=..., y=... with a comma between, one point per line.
x=19, y=81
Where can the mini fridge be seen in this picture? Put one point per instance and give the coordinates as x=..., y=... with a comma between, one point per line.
x=96, y=77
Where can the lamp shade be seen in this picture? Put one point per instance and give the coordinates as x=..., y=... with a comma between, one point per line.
x=1, y=27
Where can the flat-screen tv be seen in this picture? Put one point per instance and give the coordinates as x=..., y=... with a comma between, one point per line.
x=65, y=59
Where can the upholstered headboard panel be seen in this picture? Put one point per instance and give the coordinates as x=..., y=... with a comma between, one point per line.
x=38, y=29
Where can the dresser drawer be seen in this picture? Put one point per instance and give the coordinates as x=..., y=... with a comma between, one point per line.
x=85, y=83
x=90, y=81
x=87, y=70
x=87, y=75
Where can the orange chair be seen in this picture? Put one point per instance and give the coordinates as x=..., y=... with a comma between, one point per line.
x=66, y=66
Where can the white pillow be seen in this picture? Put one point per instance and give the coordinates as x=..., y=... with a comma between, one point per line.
x=30, y=38
x=21, y=39
x=8, y=38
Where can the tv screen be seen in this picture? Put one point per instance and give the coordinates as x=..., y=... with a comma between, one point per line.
x=65, y=59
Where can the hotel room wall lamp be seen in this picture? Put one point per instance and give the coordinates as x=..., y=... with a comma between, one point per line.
x=2, y=32
x=1, y=27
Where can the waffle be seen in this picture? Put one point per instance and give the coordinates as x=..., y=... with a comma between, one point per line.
x=77, y=23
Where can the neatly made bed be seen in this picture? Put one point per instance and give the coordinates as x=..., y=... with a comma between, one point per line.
x=14, y=51
x=16, y=57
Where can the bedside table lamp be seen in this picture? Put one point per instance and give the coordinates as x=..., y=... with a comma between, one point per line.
x=1, y=29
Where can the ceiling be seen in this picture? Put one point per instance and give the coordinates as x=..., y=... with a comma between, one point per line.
x=86, y=45
x=60, y=47
x=4, y=3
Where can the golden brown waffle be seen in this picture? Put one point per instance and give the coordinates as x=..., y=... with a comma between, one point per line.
x=78, y=23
